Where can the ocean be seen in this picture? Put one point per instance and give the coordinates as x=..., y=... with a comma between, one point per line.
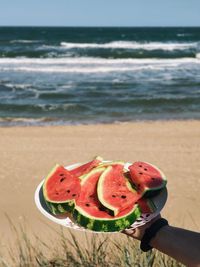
x=80, y=75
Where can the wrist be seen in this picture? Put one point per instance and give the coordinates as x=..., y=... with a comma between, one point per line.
x=139, y=232
x=151, y=232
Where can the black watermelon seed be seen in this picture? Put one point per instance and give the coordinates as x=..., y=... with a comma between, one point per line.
x=68, y=191
x=73, y=195
x=87, y=204
x=62, y=179
x=145, y=169
x=153, y=178
x=140, y=173
x=113, y=196
x=61, y=174
x=123, y=196
x=140, y=166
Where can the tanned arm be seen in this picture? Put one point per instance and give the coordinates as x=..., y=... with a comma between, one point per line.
x=180, y=244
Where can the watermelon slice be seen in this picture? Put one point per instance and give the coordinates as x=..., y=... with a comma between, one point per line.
x=87, y=167
x=114, y=190
x=146, y=205
x=90, y=213
x=147, y=178
x=60, y=190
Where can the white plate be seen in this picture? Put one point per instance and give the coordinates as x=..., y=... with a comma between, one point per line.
x=159, y=202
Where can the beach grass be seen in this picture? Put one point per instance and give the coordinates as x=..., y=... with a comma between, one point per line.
x=68, y=250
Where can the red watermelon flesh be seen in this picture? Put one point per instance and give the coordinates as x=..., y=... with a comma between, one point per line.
x=88, y=199
x=114, y=190
x=146, y=177
x=61, y=186
x=86, y=168
x=146, y=205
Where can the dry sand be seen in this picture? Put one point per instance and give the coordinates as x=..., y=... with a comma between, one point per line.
x=28, y=153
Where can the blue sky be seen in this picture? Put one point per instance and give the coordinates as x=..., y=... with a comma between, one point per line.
x=100, y=12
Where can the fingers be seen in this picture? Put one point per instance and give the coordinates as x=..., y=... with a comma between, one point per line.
x=138, y=232
x=129, y=232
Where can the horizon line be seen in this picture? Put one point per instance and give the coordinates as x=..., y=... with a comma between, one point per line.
x=78, y=26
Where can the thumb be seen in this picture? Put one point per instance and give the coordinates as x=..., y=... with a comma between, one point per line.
x=128, y=232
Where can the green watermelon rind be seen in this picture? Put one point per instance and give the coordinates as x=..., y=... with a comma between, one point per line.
x=111, y=163
x=87, y=221
x=149, y=193
x=56, y=207
x=151, y=205
x=93, y=171
x=60, y=208
x=100, y=190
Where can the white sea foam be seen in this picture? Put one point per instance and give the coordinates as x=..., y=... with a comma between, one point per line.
x=183, y=34
x=24, y=41
x=19, y=86
x=198, y=55
x=90, y=65
x=27, y=121
x=93, y=60
x=76, y=70
x=39, y=121
x=132, y=45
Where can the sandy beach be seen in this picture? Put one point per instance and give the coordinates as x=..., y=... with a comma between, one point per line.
x=28, y=153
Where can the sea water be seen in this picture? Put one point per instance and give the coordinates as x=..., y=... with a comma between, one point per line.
x=78, y=75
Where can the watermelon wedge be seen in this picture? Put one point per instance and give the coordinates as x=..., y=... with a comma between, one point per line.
x=90, y=213
x=147, y=178
x=114, y=190
x=60, y=190
x=146, y=205
x=87, y=167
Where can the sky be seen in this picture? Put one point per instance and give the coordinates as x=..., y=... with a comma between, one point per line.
x=99, y=12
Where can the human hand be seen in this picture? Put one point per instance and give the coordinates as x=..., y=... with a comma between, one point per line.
x=138, y=232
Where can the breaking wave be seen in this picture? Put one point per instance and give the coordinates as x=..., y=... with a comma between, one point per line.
x=133, y=45
x=90, y=65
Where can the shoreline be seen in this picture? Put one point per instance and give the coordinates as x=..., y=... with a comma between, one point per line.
x=28, y=153
x=62, y=124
